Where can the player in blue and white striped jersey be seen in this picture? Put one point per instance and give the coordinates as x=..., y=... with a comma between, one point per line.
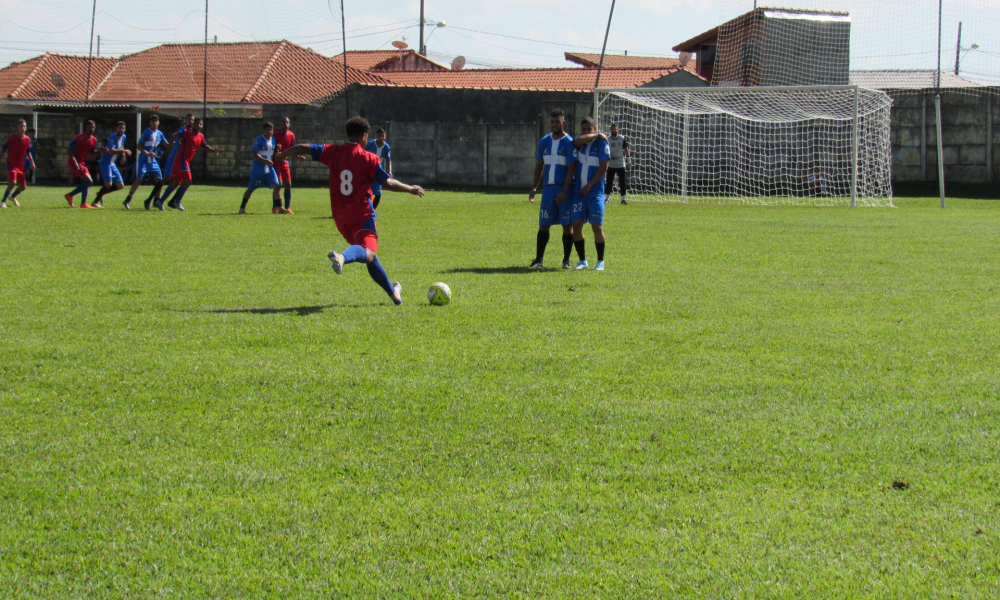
x=592, y=159
x=262, y=173
x=554, y=159
x=151, y=140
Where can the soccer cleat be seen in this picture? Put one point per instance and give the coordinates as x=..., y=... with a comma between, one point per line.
x=276, y=211
x=3, y=205
x=338, y=261
x=98, y=204
x=624, y=203
x=158, y=204
x=581, y=265
x=69, y=199
x=243, y=211
x=85, y=205
x=397, y=296
x=599, y=266
x=14, y=200
x=286, y=211
x=127, y=204
x=171, y=204
x=147, y=202
x=179, y=206
x=535, y=264
x=567, y=264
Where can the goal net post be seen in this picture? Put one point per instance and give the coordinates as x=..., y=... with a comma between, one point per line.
x=802, y=145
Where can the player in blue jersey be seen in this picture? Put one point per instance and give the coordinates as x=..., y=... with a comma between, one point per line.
x=32, y=163
x=151, y=140
x=262, y=173
x=554, y=160
x=177, y=138
x=114, y=152
x=379, y=148
x=593, y=156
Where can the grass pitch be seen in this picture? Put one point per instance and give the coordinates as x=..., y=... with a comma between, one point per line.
x=750, y=402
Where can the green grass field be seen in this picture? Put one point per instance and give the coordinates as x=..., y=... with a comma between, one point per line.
x=193, y=405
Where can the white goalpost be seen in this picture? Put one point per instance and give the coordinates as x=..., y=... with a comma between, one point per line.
x=806, y=145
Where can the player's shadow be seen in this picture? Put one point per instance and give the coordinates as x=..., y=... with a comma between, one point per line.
x=298, y=311
x=493, y=270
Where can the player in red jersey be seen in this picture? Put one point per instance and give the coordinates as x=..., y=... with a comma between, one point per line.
x=181, y=176
x=80, y=149
x=352, y=172
x=16, y=147
x=283, y=140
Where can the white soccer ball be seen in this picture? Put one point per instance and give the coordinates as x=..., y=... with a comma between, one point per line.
x=439, y=294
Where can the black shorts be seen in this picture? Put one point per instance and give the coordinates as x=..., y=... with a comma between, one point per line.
x=622, y=180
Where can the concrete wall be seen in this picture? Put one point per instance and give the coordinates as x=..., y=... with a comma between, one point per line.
x=463, y=154
x=968, y=118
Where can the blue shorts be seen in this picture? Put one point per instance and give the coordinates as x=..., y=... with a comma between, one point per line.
x=550, y=213
x=169, y=167
x=148, y=167
x=589, y=209
x=110, y=173
x=376, y=189
x=263, y=180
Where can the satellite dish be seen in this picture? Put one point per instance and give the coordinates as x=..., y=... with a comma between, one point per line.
x=58, y=80
x=684, y=58
x=441, y=24
x=458, y=63
x=400, y=45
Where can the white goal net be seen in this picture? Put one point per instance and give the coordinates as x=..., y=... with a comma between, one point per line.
x=824, y=145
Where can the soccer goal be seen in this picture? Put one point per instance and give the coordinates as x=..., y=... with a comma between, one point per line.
x=812, y=145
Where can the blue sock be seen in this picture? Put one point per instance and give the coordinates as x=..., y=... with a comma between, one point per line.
x=83, y=194
x=6, y=195
x=355, y=254
x=179, y=194
x=78, y=189
x=380, y=276
x=288, y=198
x=166, y=194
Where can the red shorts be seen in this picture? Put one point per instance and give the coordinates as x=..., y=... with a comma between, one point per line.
x=179, y=174
x=79, y=173
x=359, y=233
x=15, y=176
x=284, y=173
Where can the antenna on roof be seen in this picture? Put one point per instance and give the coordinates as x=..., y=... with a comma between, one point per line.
x=458, y=63
x=400, y=45
x=684, y=58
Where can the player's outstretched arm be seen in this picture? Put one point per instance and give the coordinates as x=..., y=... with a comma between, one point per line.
x=297, y=150
x=398, y=186
x=582, y=140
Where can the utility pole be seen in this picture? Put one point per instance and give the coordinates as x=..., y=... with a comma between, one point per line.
x=90, y=56
x=421, y=49
x=958, y=47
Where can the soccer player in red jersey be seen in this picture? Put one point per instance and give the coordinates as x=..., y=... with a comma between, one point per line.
x=80, y=149
x=352, y=172
x=16, y=147
x=181, y=176
x=283, y=140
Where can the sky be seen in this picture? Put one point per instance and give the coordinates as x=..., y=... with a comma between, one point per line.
x=490, y=33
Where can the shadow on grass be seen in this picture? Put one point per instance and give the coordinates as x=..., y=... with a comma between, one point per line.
x=298, y=311
x=493, y=270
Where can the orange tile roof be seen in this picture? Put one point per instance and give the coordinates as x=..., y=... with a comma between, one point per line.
x=573, y=79
x=279, y=72
x=619, y=61
x=376, y=60
x=40, y=77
